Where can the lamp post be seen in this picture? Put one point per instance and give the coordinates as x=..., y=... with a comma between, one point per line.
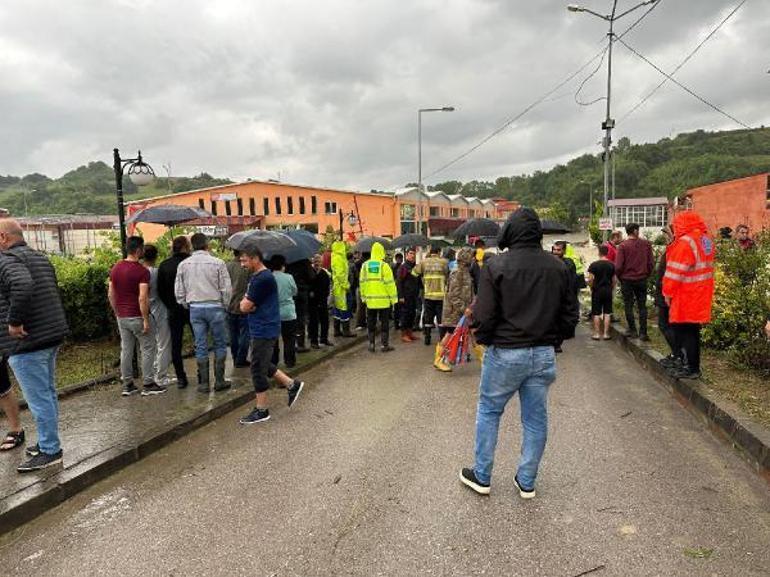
x=140, y=174
x=608, y=123
x=419, y=155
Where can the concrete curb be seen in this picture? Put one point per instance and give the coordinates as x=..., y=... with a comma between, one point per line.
x=25, y=505
x=722, y=417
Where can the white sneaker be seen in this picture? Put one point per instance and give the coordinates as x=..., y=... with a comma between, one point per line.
x=524, y=494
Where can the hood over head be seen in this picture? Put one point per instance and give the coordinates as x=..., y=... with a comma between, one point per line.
x=465, y=256
x=688, y=222
x=339, y=248
x=522, y=229
x=378, y=251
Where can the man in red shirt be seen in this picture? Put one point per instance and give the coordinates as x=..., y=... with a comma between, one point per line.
x=129, y=294
x=612, y=245
x=633, y=265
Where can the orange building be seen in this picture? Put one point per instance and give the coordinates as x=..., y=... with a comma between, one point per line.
x=271, y=205
x=730, y=203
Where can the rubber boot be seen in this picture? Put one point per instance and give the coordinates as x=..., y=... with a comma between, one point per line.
x=371, y=344
x=337, y=328
x=346, y=330
x=438, y=362
x=385, y=339
x=203, y=376
x=426, y=333
x=479, y=351
x=220, y=384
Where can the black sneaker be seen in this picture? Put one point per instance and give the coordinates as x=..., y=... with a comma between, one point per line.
x=684, y=373
x=315, y=346
x=33, y=450
x=327, y=343
x=632, y=334
x=182, y=383
x=371, y=347
x=557, y=349
x=152, y=389
x=129, y=389
x=670, y=361
x=294, y=392
x=40, y=461
x=524, y=493
x=468, y=478
x=255, y=416
x=386, y=348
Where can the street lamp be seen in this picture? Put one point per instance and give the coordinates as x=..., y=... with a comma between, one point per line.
x=140, y=173
x=419, y=153
x=609, y=123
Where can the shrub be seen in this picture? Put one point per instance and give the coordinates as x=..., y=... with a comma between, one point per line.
x=741, y=301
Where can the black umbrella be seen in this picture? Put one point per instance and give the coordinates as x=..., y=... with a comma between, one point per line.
x=169, y=214
x=477, y=227
x=553, y=227
x=307, y=246
x=365, y=244
x=268, y=241
x=411, y=239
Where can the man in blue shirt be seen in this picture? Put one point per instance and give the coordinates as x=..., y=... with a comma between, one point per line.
x=261, y=304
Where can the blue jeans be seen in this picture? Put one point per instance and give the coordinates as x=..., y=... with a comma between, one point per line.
x=529, y=371
x=36, y=374
x=203, y=320
x=239, y=337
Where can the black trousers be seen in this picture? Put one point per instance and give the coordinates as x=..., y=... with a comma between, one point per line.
x=635, y=291
x=667, y=330
x=289, y=338
x=178, y=318
x=431, y=316
x=371, y=324
x=397, y=316
x=688, y=341
x=318, y=321
x=408, y=313
x=301, y=305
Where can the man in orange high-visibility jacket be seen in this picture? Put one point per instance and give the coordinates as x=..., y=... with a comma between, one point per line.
x=688, y=287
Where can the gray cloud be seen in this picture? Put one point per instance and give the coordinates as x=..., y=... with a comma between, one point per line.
x=326, y=93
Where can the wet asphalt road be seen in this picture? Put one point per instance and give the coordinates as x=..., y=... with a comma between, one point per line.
x=360, y=478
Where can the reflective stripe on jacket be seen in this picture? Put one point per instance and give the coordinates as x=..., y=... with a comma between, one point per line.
x=689, y=276
x=377, y=287
x=434, y=271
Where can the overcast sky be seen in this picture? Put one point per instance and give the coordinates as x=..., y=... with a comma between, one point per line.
x=326, y=93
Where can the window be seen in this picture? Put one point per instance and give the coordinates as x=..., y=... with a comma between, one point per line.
x=240, y=206
x=228, y=208
x=277, y=205
x=201, y=203
x=266, y=206
x=214, y=207
x=290, y=205
x=455, y=213
x=313, y=205
x=407, y=212
x=330, y=207
x=252, y=207
x=302, y=205
x=434, y=211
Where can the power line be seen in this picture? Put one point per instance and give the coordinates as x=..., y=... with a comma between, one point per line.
x=587, y=78
x=682, y=63
x=683, y=87
x=540, y=100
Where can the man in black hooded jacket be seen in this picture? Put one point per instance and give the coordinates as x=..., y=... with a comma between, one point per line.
x=525, y=305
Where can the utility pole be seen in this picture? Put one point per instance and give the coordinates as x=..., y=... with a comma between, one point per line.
x=609, y=122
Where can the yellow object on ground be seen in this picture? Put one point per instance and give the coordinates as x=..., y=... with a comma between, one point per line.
x=438, y=362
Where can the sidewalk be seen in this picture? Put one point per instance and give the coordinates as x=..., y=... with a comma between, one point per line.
x=102, y=432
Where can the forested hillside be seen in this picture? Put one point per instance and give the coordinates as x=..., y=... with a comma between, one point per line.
x=665, y=168
x=87, y=189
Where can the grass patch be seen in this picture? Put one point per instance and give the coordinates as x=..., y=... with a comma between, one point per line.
x=698, y=552
x=740, y=385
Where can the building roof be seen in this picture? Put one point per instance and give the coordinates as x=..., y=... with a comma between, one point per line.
x=656, y=200
x=68, y=219
x=458, y=199
x=224, y=187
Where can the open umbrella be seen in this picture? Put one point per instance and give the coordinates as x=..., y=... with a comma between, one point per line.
x=477, y=227
x=268, y=241
x=365, y=244
x=411, y=239
x=169, y=214
x=307, y=246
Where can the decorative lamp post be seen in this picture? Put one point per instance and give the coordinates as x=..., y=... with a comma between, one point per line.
x=140, y=173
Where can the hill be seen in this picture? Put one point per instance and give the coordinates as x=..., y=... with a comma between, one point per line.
x=665, y=168
x=87, y=189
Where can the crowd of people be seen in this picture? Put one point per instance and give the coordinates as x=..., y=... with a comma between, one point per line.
x=521, y=304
